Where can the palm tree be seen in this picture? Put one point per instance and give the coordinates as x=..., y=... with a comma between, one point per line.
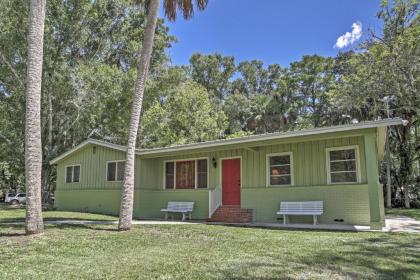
x=171, y=7
x=33, y=148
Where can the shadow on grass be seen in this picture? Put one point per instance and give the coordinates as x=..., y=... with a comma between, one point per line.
x=390, y=256
x=95, y=227
x=20, y=220
x=11, y=230
x=12, y=234
x=262, y=227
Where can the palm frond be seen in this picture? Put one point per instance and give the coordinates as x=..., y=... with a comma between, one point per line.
x=186, y=7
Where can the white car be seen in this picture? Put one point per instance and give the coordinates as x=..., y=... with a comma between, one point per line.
x=15, y=198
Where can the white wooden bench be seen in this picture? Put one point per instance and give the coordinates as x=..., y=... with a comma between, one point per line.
x=304, y=208
x=179, y=207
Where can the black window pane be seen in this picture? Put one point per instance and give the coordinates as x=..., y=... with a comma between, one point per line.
x=202, y=180
x=169, y=168
x=202, y=165
x=278, y=160
x=169, y=182
x=349, y=165
x=169, y=176
x=344, y=177
x=69, y=172
x=202, y=173
x=111, y=171
x=343, y=154
x=280, y=180
x=120, y=170
x=76, y=173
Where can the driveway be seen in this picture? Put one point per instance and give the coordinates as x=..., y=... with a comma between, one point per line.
x=402, y=224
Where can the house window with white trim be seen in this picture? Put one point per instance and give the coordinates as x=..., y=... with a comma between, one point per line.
x=343, y=165
x=169, y=175
x=115, y=171
x=186, y=174
x=202, y=173
x=73, y=174
x=280, y=171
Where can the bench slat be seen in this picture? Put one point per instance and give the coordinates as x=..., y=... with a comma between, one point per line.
x=301, y=207
x=175, y=206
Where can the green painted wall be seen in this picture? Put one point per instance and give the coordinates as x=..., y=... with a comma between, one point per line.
x=309, y=160
x=348, y=202
x=149, y=202
x=93, y=200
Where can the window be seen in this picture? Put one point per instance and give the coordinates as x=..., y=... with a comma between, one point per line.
x=169, y=175
x=73, y=174
x=279, y=169
x=115, y=171
x=343, y=165
x=202, y=173
x=186, y=174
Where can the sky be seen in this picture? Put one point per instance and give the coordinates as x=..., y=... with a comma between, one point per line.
x=274, y=31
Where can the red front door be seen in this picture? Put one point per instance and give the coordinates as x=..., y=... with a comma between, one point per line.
x=231, y=181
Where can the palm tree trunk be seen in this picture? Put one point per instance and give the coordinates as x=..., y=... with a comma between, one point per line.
x=33, y=147
x=127, y=194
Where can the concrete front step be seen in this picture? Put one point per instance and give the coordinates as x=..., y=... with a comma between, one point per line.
x=232, y=214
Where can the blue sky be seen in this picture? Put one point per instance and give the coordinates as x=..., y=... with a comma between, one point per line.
x=274, y=31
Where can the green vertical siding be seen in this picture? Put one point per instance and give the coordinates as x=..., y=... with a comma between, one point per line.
x=348, y=202
x=93, y=200
x=149, y=202
x=309, y=160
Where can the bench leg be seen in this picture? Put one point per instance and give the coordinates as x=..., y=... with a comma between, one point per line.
x=284, y=219
x=315, y=220
x=166, y=216
x=183, y=217
x=189, y=216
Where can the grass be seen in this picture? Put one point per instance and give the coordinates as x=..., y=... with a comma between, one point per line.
x=202, y=252
x=17, y=214
x=412, y=213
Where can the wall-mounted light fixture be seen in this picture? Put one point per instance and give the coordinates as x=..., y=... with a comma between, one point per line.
x=214, y=162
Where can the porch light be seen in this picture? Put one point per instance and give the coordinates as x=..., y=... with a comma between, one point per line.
x=214, y=162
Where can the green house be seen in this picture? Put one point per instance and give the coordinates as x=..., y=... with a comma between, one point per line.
x=337, y=165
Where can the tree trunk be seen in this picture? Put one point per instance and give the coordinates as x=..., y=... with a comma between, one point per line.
x=33, y=147
x=127, y=194
x=405, y=165
x=388, y=171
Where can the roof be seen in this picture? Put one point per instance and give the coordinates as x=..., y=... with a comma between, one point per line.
x=239, y=140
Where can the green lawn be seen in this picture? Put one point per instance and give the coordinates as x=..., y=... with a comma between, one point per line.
x=412, y=213
x=11, y=214
x=202, y=252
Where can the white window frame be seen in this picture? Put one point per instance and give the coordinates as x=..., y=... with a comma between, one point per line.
x=116, y=170
x=72, y=173
x=292, y=180
x=195, y=172
x=357, y=154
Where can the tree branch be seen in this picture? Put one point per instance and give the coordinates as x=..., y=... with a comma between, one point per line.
x=15, y=73
x=6, y=139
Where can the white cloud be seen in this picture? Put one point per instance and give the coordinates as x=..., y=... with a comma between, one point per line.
x=349, y=38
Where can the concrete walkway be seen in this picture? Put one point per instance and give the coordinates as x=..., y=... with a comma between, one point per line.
x=393, y=224
x=402, y=224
